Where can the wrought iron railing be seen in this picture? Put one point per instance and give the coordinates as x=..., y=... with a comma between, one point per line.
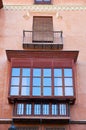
x=42, y=38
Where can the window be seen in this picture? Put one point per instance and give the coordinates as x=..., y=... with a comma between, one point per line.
x=42, y=1
x=42, y=82
x=20, y=109
x=41, y=109
x=42, y=29
x=63, y=77
x=20, y=77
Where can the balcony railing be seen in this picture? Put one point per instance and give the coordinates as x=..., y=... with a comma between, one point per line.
x=42, y=40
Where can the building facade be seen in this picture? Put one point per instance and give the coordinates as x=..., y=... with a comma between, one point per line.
x=43, y=64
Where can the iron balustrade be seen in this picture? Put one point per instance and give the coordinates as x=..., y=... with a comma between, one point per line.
x=42, y=39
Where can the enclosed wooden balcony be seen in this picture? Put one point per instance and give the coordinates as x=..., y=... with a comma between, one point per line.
x=45, y=111
x=42, y=40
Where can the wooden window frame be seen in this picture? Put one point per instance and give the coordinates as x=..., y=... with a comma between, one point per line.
x=47, y=113
x=42, y=87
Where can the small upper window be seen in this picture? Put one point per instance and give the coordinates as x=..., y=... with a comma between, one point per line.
x=42, y=1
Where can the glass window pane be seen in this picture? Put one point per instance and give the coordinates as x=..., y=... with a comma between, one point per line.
x=68, y=82
x=25, y=81
x=54, y=109
x=62, y=109
x=46, y=0
x=57, y=72
x=36, y=81
x=25, y=72
x=36, y=91
x=45, y=109
x=58, y=91
x=28, y=109
x=69, y=91
x=47, y=82
x=14, y=91
x=36, y=72
x=39, y=0
x=57, y=81
x=47, y=72
x=25, y=91
x=20, y=109
x=37, y=109
x=15, y=71
x=14, y=81
x=68, y=72
x=47, y=91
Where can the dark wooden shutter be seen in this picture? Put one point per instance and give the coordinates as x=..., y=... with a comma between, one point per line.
x=42, y=29
x=1, y=4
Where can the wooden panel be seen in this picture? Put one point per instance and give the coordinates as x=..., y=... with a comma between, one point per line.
x=1, y=4
x=42, y=29
x=38, y=62
x=72, y=55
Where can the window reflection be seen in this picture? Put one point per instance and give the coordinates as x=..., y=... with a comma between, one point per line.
x=57, y=72
x=68, y=81
x=47, y=82
x=57, y=81
x=47, y=91
x=68, y=72
x=47, y=72
x=41, y=109
x=45, y=109
x=36, y=81
x=15, y=81
x=36, y=72
x=15, y=71
x=26, y=72
x=62, y=109
x=40, y=81
x=14, y=90
x=36, y=91
x=25, y=91
x=69, y=91
x=58, y=91
x=28, y=109
x=25, y=81
x=20, y=109
x=54, y=109
x=37, y=109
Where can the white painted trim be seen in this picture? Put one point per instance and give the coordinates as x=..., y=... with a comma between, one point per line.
x=44, y=8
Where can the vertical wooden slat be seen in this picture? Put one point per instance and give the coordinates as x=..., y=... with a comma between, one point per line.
x=1, y=4
x=42, y=29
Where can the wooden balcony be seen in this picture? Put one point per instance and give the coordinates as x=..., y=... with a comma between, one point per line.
x=42, y=40
x=38, y=111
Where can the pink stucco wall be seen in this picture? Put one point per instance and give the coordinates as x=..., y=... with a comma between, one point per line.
x=73, y=25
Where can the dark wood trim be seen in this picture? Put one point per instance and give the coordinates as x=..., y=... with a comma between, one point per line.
x=78, y=122
x=5, y=121
x=1, y=4
x=73, y=55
